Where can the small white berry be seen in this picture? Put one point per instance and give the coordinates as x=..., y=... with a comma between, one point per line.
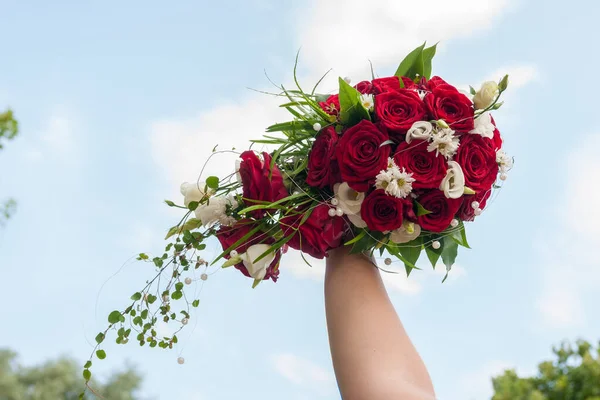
x=165, y=298
x=339, y=212
x=478, y=211
x=475, y=205
x=436, y=245
x=331, y=212
x=180, y=360
x=348, y=80
x=388, y=261
x=185, y=321
x=204, y=277
x=317, y=126
x=188, y=281
x=335, y=202
x=454, y=223
x=503, y=177
x=233, y=253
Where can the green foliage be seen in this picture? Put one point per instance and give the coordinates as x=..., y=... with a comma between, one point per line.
x=7, y=209
x=574, y=374
x=59, y=379
x=352, y=110
x=417, y=63
x=9, y=127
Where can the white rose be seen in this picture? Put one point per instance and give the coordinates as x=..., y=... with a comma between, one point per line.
x=453, y=184
x=257, y=270
x=406, y=233
x=486, y=95
x=420, y=130
x=215, y=211
x=484, y=126
x=191, y=192
x=349, y=200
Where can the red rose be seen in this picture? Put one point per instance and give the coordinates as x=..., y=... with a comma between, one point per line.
x=332, y=105
x=435, y=82
x=360, y=155
x=322, y=166
x=259, y=182
x=442, y=210
x=447, y=103
x=364, y=87
x=229, y=235
x=318, y=234
x=497, y=139
x=466, y=211
x=391, y=84
x=427, y=167
x=382, y=212
x=399, y=110
x=477, y=158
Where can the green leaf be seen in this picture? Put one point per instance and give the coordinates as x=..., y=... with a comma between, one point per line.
x=144, y=313
x=100, y=338
x=190, y=225
x=143, y=256
x=193, y=205
x=421, y=210
x=87, y=375
x=433, y=254
x=411, y=252
x=170, y=203
x=231, y=262
x=212, y=182
x=256, y=283
x=176, y=295
x=468, y=190
x=412, y=64
x=179, y=286
x=195, y=303
x=367, y=242
x=101, y=354
x=352, y=110
x=449, y=251
x=114, y=317
x=459, y=234
x=136, y=296
x=428, y=55
x=472, y=90
x=274, y=204
x=88, y=364
x=503, y=84
x=362, y=233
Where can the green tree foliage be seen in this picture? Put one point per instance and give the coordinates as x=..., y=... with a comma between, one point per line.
x=59, y=379
x=573, y=375
x=9, y=128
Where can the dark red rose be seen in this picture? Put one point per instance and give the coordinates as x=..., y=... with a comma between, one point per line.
x=259, y=182
x=229, y=235
x=360, y=155
x=497, y=139
x=435, y=82
x=322, y=165
x=477, y=158
x=399, y=110
x=391, y=84
x=364, y=87
x=318, y=234
x=332, y=105
x=447, y=103
x=427, y=167
x=382, y=212
x=466, y=211
x=442, y=210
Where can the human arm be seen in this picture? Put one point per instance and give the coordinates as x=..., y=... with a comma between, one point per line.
x=373, y=357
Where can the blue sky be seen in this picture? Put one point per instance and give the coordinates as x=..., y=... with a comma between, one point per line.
x=121, y=102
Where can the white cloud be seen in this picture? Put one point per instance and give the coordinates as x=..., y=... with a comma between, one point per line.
x=569, y=270
x=302, y=372
x=518, y=75
x=344, y=34
x=56, y=138
x=478, y=383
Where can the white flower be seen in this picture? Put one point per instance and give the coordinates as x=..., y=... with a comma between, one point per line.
x=383, y=179
x=215, y=210
x=420, y=130
x=444, y=142
x=401, y=185
x=357, y=220
x=453, y=184
x=407, y=232
x=484, y=126
x=257, y=270
x=191, y=192
x=367, y=101
x=349, y=200
x=486, y=95
x=504, y=161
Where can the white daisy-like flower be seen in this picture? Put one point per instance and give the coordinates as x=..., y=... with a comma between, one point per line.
x=383, y=179
x=484, y=126
x=505, y=162
x=401, y=184
x=367, y=101
x=444, y=142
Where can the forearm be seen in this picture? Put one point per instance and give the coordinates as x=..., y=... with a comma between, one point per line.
x=372, y=355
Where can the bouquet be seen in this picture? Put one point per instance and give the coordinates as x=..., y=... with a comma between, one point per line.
x=395, y=165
